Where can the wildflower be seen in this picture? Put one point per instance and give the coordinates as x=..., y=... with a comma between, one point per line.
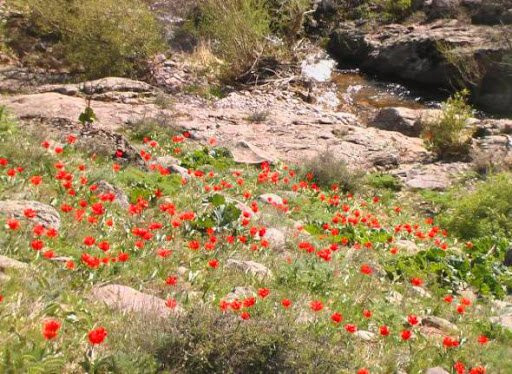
x=482, y=339
x=263, y=292
x=213, y=263
x=384, y=330
x=448, y=299
x=70, y=265
x=316, y=305
x=406, y=335
x=171, y=280
x=13, y=224
x=477, y=370
x=89, y=241
x=49, y=254
x=97, y=336
x=450, y=342
x=412, y=319
x=418, y=282
x=171, y=303
x=29, y=213
x=336, y=317
x=37, y=245
x=51, y=329
x=36, y=180
x=351, y=328
x=123, y=257
x=363, y=371
x=286, y=303
x=366, y=269
x=367, y=313
x=245, y=316
x=459, y=367
x=193, y=245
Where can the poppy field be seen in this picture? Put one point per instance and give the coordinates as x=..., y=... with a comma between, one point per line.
x=222, y=267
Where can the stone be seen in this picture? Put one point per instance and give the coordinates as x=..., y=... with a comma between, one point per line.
x=249, y=267
x=365, y=335
x=276, y=238
x=272, y=199
x=428, y=182
x=120, y=196
x=245, y=152
x=411, y=53
x=46, y=215
x=407, y=246
x=394, y=297
x=439, y=323
x=421, y=291
x=9, y=263
x=128, y=300
x=403, y=120
x=239, y=293
x=436, y=370
x=183, y=172
x=167, y=161
x=505, y=321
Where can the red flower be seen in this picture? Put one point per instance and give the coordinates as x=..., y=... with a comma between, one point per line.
x=13, y=224
x=36, y=180
x=49, y=254
x=104, y=246
x=412, y=319
x=351, y=328
x=416, y=282
x=286, y=303
x=336, y=317
x=29, y=213
x=363, y=371
x=51, y=329
x=123, y=257
x=459, y=367
x=384, y=330
x=1, y=298
x=448, y=298
x=245, y=316
x=213, y=263
x=37, y=245
x=193, y=245
x=450, y=342
x=97, y=336
x=482, y=339
x=406, y=334
x=89, y=241
x=477, y=370
x=316, y=305
x=367, y=313
x=171, y=303
x=366, y=269
x=171, y=280
x=263, y=292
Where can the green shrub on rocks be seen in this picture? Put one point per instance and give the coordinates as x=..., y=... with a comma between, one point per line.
x=449, y=135
x=95, y=37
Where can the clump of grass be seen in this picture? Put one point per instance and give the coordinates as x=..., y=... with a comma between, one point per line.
x=383, y=181
x=326, y=170
x=449, y=135
x=258, y=116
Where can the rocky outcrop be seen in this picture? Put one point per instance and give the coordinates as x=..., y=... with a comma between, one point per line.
x=46, y=215
x=413, y=53
x=403, y=120
x=249, y=267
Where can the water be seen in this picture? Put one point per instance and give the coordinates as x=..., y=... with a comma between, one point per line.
x=364, y=95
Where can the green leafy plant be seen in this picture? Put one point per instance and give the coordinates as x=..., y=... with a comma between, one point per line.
x=449, y=135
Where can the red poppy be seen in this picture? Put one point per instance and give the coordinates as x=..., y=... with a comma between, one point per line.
x=336, y=317
x=245, y=315
x=13, y=224
x=363, y=371
x=171, y=303
x=51, y=329
x=263, y=292
x=367, y=313
x=37, y=245
x=482, y=339
x=416, y=282
x=478, y=370
x=412, y=319
x=213, y=263
x=171, y=280
x=384, y=330
x=450, y=342
x=459, y=367
x=351, y=328
x=36, y=180
x=406, y=334
x=366, y=269
x=97, y=336
x=316, y=305
x=286, y=303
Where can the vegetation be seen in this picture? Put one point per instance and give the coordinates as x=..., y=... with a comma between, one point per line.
x=97, y=38
x=237, y=30
x=449, y=135
x=325, y=307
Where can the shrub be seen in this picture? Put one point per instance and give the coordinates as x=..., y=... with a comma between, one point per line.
x=449, y=135
x=487, y=211
x=384, y=181
x=96, y=37
x=236, y=29
x=326, y=170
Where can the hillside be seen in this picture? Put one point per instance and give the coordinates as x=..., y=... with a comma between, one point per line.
x=186, y=198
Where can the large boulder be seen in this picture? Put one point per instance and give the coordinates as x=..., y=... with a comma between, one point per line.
x=415, y=53
x=46, y=215
x=403, y=120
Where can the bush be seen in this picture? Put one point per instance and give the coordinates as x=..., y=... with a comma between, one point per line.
x=384, y=181
x=449, y=135
x=237, y=30
x=487, y=211
x=96, y=37
x=326, y=170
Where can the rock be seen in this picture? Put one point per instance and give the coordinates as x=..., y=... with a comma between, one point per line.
x=492, y=12
x=407, y=246
x=251, y=267
x=439, y=323
x=318, y=67
x=46, y=215
x=508, y=258
x=246, y=153
x=183, y=172
x=365, y=335
x=126, y=299
x=104, y=142
x=442, y=8
x=428, y=182
x=167, y=162
x=272, y=199
x=305, y=317
x=435, y=176
x=403, y=120
x=240, y=293
x=121, y=198
x=505, y=321
x=9, y=263
x=52, y=105
x=436, y=370
x=276, y=238
x=411, y=53
x=421, y=291
x=394, y=297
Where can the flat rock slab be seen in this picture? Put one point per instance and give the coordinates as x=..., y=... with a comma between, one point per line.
x=250, y=267
x=127, y=299
x=246, y=153
x=9, y=263
x=46, y=215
